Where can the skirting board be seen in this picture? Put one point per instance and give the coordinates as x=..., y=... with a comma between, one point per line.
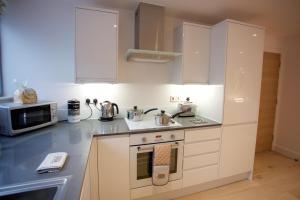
x=198, y=188
x=286, y=152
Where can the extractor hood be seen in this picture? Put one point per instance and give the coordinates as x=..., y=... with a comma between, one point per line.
x=149, y=36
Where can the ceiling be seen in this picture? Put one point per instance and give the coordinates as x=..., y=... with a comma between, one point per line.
x=280, y=17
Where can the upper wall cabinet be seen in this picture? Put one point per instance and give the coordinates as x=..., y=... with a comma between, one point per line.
x=193, y=41
x=237, y=54
x=96, y=51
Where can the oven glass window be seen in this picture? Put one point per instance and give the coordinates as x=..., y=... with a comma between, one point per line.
x=173, y=165
x=32, y=116
x=144, y=164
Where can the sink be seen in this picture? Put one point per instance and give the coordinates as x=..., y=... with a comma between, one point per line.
x=47, y=189
x=45, y=194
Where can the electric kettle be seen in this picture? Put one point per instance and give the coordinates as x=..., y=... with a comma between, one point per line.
x=108, y=111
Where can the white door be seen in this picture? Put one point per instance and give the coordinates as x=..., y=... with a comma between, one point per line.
x=196, y=52
x=243, y=73
x=237, y=149
x=96, y=45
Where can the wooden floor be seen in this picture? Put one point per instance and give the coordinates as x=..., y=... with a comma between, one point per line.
x=275, y=178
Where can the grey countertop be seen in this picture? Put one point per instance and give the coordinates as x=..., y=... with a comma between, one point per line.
x=21, y=155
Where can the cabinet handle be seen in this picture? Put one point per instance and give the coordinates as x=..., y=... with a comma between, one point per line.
x=151, y=148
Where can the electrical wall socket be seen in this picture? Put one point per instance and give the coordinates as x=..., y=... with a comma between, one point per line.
x=174, y=99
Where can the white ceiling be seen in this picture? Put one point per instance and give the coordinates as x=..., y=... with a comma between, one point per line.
x=280, y=17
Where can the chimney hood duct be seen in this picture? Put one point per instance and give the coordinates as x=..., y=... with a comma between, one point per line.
x=149, y=36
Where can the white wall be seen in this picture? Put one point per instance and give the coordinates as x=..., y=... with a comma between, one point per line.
x=272, y=43
x=287, y=129
x=38, y=46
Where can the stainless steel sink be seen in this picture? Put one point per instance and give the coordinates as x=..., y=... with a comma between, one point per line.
x=48, y=189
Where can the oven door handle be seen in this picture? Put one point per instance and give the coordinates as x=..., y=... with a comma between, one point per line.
x=151, y=148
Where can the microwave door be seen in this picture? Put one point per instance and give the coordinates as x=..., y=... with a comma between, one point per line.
x=29, y=117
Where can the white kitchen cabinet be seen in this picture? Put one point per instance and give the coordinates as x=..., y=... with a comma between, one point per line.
x=113, y=168
x=238, y=149
x=86, y=186
x=89, y=189
x=243, y=74
x=200, y=175
x=237, y=54
x=203, y=134
x=193, y=41
x=236, y=62
x=201, y=147
x=201, y=160
x=201, y=155
x=96, y=48
x=93, y=170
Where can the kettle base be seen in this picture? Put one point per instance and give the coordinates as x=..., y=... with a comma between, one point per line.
x=104, y=119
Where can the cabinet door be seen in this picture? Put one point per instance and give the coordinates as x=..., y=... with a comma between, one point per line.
x=113, y=167
x=93, y=167
x=86, y=186
x=243, y=73
x=90, y=187
x=200, y=175
x=96, y=45
x=203, y=134
x=196, y=52
x=237, y=149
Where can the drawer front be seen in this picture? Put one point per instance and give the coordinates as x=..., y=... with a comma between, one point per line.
x=202, y=135
x=201, y=147
x=200, y=175
x=201, y=160
x=151, y=190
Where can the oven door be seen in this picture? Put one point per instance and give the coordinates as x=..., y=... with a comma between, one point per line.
x=141, y=164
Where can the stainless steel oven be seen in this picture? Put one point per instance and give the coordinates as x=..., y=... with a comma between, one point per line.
x=141, y=156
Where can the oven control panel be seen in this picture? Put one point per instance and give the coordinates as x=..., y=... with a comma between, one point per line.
x=155, y=137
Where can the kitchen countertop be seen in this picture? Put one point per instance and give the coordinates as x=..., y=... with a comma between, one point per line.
x=21, y=155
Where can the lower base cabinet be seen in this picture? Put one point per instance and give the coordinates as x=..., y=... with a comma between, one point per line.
x=200, y=175
x=210, y=154
x=201, y=156
x=86, y=187
x=237, y=149
x=89, y=189
x=113, y=168
x=199, y=161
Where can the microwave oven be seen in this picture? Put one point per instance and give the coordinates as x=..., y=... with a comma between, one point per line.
x=19, y=118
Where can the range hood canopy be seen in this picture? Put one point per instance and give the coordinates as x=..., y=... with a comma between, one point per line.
x=149, y=36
